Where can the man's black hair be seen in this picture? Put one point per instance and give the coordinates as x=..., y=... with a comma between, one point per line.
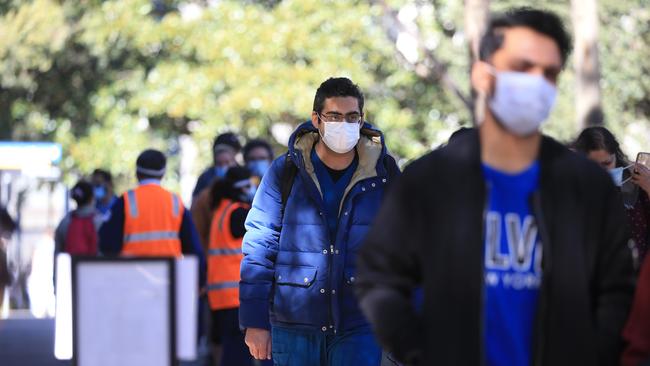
x=229, y=139
x=254, y=144
x=336, y=87
x=541, y=21
x=104, y=174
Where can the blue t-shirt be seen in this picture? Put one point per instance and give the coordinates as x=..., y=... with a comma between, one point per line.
x=513, y=272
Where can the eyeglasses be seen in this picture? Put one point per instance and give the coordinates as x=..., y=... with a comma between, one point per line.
x=353, y=117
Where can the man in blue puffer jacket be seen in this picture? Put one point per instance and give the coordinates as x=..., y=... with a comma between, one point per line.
x=296, y=290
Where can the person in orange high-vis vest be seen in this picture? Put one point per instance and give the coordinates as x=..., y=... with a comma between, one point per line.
x=149, y=221
x=230, y=201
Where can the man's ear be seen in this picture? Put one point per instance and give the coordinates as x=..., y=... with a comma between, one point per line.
x=482, y=78
x=314, y=119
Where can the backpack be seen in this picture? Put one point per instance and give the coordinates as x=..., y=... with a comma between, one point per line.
x=81, y=237
x=290, y=170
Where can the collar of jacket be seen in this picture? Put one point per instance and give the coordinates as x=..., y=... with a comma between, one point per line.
x=467, y=147
x=371, y=149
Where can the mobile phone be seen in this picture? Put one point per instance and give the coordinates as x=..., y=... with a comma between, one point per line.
x=644, y=159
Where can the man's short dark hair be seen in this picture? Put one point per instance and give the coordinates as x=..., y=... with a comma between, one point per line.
x=336, y=87
x=541, y=21
x=104, y=174
x=254, y=144
x=228, y=139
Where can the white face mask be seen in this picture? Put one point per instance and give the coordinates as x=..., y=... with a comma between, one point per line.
x=521, y=101
x=340, y=137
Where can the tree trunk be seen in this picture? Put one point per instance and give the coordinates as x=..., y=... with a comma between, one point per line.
x=477, y=13
x=584, y=14
x=476, y=18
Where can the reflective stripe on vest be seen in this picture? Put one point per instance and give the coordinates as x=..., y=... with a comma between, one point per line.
x=223, y=285
x=133, y=204
x=175, y=205
x=224, y=258
x=224, y=251
x=152, y=223
x=153, y=235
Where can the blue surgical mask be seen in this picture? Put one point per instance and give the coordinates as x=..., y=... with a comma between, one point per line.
x=259, y=167
x=248, y=195
x=522, y=101
x=220, y=171
x=617, y=175
x=99, y=192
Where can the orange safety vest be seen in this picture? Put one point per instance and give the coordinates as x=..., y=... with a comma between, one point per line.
x=224, y=258
x=153, y=218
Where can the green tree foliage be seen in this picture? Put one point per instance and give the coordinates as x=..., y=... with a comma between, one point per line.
x=110, y=78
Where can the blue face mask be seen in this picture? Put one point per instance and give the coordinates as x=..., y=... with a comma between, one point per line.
x=99, y=192
x=248, y=195
x=259, y=167
x=617, y=175
x=220, y=171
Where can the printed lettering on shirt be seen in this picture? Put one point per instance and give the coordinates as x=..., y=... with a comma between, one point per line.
x=517, y=266
x=494, y=259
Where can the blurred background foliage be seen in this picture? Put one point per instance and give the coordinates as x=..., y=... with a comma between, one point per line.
x=108, y=79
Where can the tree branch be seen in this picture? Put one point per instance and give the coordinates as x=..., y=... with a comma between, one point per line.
x=428, y=67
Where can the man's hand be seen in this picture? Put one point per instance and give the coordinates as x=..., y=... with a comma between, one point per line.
x=259, y=343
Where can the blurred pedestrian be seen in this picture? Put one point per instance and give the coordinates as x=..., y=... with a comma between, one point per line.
x=224, y=151
x=149, y=220
x=519, y=244
x=307, y=221
x=258, y=156
x=7, y=228
x=77, y=231
x=600, y=145
x=230, y=202
x=105, y=197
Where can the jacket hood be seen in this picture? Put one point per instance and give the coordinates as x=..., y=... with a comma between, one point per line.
x=371, y=149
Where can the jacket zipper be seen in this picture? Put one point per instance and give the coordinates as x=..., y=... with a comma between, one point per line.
x=319, y=200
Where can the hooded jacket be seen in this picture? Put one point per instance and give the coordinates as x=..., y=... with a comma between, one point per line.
x=293, y=273
x=429, y=233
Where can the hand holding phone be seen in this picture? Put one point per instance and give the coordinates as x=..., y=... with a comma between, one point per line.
x=643, y=158
x=641, y=174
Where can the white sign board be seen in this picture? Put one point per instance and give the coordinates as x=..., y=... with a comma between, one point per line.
x=136, y=311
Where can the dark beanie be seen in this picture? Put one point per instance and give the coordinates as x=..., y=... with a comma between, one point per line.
x=151, y=163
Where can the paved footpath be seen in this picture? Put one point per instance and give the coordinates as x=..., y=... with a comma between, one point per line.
x=28, y=342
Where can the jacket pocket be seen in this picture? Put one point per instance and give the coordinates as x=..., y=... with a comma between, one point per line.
x=295, y=296
x=295, y=276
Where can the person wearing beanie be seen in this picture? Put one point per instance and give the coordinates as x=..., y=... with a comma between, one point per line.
x=150, y=221
x=225, y=148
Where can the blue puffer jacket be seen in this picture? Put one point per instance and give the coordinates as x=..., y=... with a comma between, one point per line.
x=293, y=274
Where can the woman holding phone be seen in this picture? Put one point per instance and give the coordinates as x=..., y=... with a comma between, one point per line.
x=633, y=179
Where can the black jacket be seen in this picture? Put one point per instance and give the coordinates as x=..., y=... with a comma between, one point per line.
x=429, y=233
